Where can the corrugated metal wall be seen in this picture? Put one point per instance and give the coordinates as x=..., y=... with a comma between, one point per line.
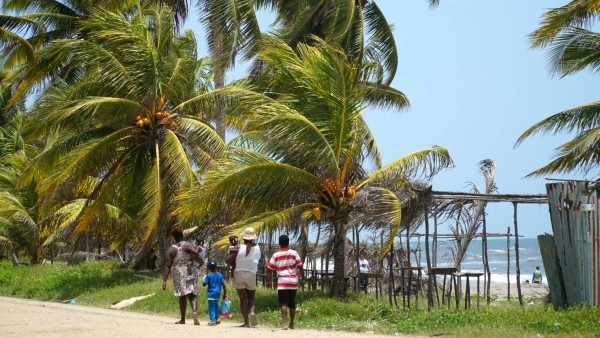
x=574, y=212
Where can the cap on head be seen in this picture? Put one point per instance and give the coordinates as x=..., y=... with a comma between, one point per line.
x=211, y=263
x=284, y=241
x=248, y=234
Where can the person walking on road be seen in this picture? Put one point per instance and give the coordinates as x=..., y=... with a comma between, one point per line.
x=246, y=257
x=185, y=275
x=288, y=265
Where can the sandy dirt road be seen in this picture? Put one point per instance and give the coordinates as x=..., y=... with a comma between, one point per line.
x=27, y=318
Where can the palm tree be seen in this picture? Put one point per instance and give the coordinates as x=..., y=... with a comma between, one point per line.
x=231, y=26
x=30, y=25
x=571, y=49
x=306, y=153
x=144, y=133
x=359, y=27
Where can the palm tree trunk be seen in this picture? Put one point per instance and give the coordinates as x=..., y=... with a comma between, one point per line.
x=338, y=287
x=162, y=238
x=304, y=242
x=219, y=77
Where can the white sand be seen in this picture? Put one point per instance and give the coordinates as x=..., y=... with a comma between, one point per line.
x=528, y=291
x=26, y=318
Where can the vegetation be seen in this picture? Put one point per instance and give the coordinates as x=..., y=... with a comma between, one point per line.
x=103, y=283
x=572, y=48
x=125, y=71
x=304, y=155
x=124, y=136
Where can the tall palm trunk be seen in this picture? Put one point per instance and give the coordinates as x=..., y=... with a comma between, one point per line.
x=338, y=287
x=219, y=77
x=163, y=235
x=303, y=242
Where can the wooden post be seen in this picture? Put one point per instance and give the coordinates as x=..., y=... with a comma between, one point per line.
x=356, y=230
x=392, y=273
x=357, y=265
x=429, y=281
x=435, y=233
x=483, y=250
x=508, y=263
x=488, y=274
x=315, y=258
x=408, y=247
x=517, y=255
x=16, y=260
x=391, y=282
x=326, y=275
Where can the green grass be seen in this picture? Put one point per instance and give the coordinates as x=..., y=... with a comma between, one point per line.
x=103, y=283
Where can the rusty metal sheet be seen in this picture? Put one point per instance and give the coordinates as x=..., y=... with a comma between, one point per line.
x=574, y=212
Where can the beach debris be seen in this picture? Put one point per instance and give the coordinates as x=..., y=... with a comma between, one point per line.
x=301, y=311
x=127, y=302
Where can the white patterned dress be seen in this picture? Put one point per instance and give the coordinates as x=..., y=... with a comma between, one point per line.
x=185, y=274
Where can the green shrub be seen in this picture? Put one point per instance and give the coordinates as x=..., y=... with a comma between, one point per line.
x=8, y=272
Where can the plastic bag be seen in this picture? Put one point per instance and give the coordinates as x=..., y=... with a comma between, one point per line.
x=225, y=308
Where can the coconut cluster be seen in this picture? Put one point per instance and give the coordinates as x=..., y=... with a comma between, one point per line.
x=144, y=122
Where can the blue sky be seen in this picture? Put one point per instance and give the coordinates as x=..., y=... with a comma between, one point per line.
x=474, y=86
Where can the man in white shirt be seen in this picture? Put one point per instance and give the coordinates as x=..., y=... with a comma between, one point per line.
x=364, y=269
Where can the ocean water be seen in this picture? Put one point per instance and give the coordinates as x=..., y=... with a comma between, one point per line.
x=529, y=258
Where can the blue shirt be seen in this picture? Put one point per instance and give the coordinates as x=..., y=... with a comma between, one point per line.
x=214, y=280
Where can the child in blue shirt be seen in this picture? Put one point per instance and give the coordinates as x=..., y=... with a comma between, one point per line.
x=214, y=280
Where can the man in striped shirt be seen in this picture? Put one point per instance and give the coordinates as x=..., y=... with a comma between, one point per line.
x=288, y=265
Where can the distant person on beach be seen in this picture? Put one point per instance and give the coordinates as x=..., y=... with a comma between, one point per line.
x=185, y=275
x=246, y=257
x=537, y=276
x=215, y=282
x=288, y=265
x=364, y=269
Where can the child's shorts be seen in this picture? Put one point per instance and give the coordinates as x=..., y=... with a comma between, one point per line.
x=287, y=297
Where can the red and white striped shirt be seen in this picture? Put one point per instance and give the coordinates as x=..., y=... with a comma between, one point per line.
x=285, y=262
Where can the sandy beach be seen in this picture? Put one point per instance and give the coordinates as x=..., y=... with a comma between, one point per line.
x=528, y=291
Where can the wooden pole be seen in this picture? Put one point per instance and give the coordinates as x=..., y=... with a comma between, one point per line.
x=429, y=281
x=357, y=255
x=315, y=256
x=487, y=265
x=435, y=237
x=357, y=265
x=391, y=282
x=517, y=255
x=408, y=247
x=508, y=263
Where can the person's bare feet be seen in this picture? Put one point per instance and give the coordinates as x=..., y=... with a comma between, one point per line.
x=195, y=316
x=180, y=322
x=244, y=325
